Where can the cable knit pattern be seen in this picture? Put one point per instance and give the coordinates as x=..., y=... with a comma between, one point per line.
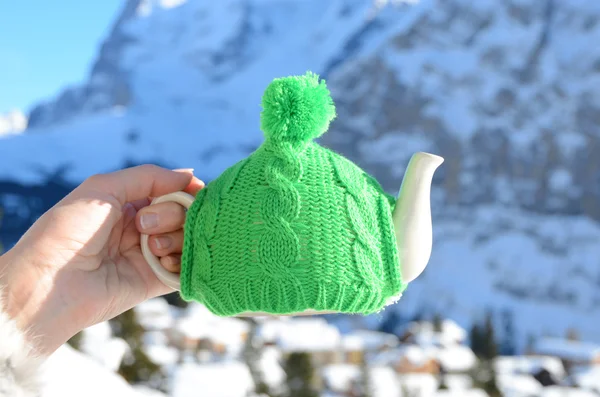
x=278, y=247
x=294, y=226
x=367, y=255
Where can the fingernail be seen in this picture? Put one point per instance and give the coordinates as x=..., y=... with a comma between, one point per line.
x=186, y=170
x=163, y=242
x=149, y=220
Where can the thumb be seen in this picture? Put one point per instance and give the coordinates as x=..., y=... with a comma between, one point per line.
x=140, y=182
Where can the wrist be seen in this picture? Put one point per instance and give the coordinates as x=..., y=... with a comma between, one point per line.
x=30, y=302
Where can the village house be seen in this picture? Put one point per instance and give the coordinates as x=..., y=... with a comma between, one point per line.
x=408, y=359
x=431, y=351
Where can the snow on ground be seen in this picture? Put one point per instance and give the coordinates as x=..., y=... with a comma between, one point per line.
x=460, y=393
x=529, y=365
x=458, y=382
x=587, y=378
x=557, y=391
x=69, y=373
x=518, y=385
x=227, y=379
x=97, y=342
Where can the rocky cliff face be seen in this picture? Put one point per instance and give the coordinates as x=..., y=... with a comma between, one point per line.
x=508, y=92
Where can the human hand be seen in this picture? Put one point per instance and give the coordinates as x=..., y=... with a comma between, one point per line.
x=81, y=262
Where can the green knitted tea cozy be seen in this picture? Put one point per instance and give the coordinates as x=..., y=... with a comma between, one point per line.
x=294, y=226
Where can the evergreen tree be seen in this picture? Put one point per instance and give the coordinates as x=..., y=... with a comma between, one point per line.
x=508, y=344
x=437, y=323
x=476, y=338
x=252, y=356
x=137, y=366
x=490, y=347
x=300, y=375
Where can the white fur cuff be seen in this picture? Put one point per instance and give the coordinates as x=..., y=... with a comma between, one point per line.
x=19, y=368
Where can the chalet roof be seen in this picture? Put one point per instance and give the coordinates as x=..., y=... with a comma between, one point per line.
x=368, y=340
x=424, y=333
x=306, y=334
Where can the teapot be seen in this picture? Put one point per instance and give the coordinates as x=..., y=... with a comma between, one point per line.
x=297, y=229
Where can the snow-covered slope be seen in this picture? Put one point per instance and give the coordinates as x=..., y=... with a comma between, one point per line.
x=508, y=92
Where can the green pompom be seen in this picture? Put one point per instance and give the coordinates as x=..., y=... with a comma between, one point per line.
x=296, y=109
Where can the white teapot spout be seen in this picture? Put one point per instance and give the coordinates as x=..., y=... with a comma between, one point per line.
x=412, y=215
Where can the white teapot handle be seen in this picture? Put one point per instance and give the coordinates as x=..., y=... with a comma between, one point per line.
x=169, y=279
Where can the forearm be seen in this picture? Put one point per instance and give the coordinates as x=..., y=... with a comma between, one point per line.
x=30, y=303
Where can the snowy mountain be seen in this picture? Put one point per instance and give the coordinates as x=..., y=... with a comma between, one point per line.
x=506, y=91
x=13, y=122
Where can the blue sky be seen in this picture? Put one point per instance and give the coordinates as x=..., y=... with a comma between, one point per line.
x=47, y=45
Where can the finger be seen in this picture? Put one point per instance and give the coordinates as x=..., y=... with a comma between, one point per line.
x=171, y=263
x=160, y=218
x=195, y=186
x=132, y=184
x=167, y=243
